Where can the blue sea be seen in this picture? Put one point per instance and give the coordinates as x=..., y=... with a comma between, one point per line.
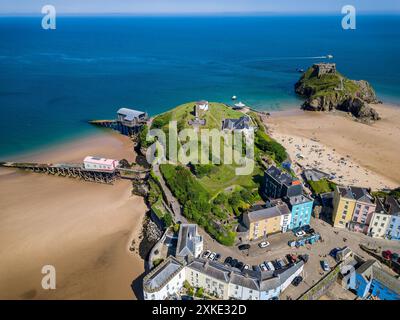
x=53, y=81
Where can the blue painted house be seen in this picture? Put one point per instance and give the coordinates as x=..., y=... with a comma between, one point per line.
x=301, y=208
x=371, y=280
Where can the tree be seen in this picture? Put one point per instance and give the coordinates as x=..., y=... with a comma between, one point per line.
x=200, y=293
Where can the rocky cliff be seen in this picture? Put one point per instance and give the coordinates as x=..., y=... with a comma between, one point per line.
x=325, y=89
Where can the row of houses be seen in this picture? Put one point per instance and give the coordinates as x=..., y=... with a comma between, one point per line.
x=287, y=207
x=356, y=209
x=167, y=280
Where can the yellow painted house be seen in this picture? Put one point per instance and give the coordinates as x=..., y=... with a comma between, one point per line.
x=343, y=206
x=263, y=221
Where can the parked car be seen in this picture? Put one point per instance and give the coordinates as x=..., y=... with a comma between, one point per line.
x=270, y=266
x=387, y=254
x=246, y=267
x=304, y=257
x=244, y=247
x=306, y=228
x=256, y=268
x=281, y=263
x=263, y=244
x=263, y=267
x=333, y=252
x=325, y=265
x=300, y=233
x=234, y=262
x=310, y=231
x=277, y=265
x=239, y=265
x=212, y=256
x=206, y=254
x=296, y=281
x=228, y=260
x=291, y=258
x=217, y=257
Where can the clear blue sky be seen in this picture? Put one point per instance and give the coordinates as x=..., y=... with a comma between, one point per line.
x=195, y=6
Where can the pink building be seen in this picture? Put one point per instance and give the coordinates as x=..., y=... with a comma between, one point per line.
x=99, y=164
x=363, y=210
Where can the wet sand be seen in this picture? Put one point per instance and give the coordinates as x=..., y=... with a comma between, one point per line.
x=83, y=229
x=370, y=152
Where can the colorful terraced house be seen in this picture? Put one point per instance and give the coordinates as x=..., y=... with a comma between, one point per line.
x=301, y=208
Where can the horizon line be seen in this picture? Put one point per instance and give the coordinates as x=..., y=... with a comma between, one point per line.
x=191, y=14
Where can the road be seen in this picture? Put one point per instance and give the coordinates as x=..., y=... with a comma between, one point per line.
x=172, y=202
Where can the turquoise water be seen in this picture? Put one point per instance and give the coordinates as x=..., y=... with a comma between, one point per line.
x=52, y=82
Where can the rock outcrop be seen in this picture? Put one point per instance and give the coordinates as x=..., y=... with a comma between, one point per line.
x=325, y=90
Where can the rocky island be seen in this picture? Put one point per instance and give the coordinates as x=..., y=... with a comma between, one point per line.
x=326, y=89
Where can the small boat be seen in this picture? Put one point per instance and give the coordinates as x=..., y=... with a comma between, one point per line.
x=234, y=97
x=329, y=56
x=300, y=70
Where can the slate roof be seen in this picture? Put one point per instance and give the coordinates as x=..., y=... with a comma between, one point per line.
x=162, y=274
x=130, y=114
x=268, y=212
x=187, y=240
x=211, y=268
x=295, y=200
x=236, y=124
x=361, y=194
x=255, y=280
x=345, y=192
x=393, y=206
x=280, y=176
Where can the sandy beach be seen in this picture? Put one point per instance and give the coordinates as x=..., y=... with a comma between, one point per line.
x=357, y=153
x=83, y=229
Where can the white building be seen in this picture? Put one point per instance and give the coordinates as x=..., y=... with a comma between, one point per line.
x=164, y=281
x=285, y=221
x=190, y=243
x=99, y=164
x=202, y=105
x=379, y=221
x=131, y=118
x=216, y=279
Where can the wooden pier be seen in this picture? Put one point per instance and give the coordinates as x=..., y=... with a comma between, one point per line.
x=77, y=171
x=117, y=126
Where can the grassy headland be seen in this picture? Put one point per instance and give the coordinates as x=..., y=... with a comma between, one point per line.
x=213, y=195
